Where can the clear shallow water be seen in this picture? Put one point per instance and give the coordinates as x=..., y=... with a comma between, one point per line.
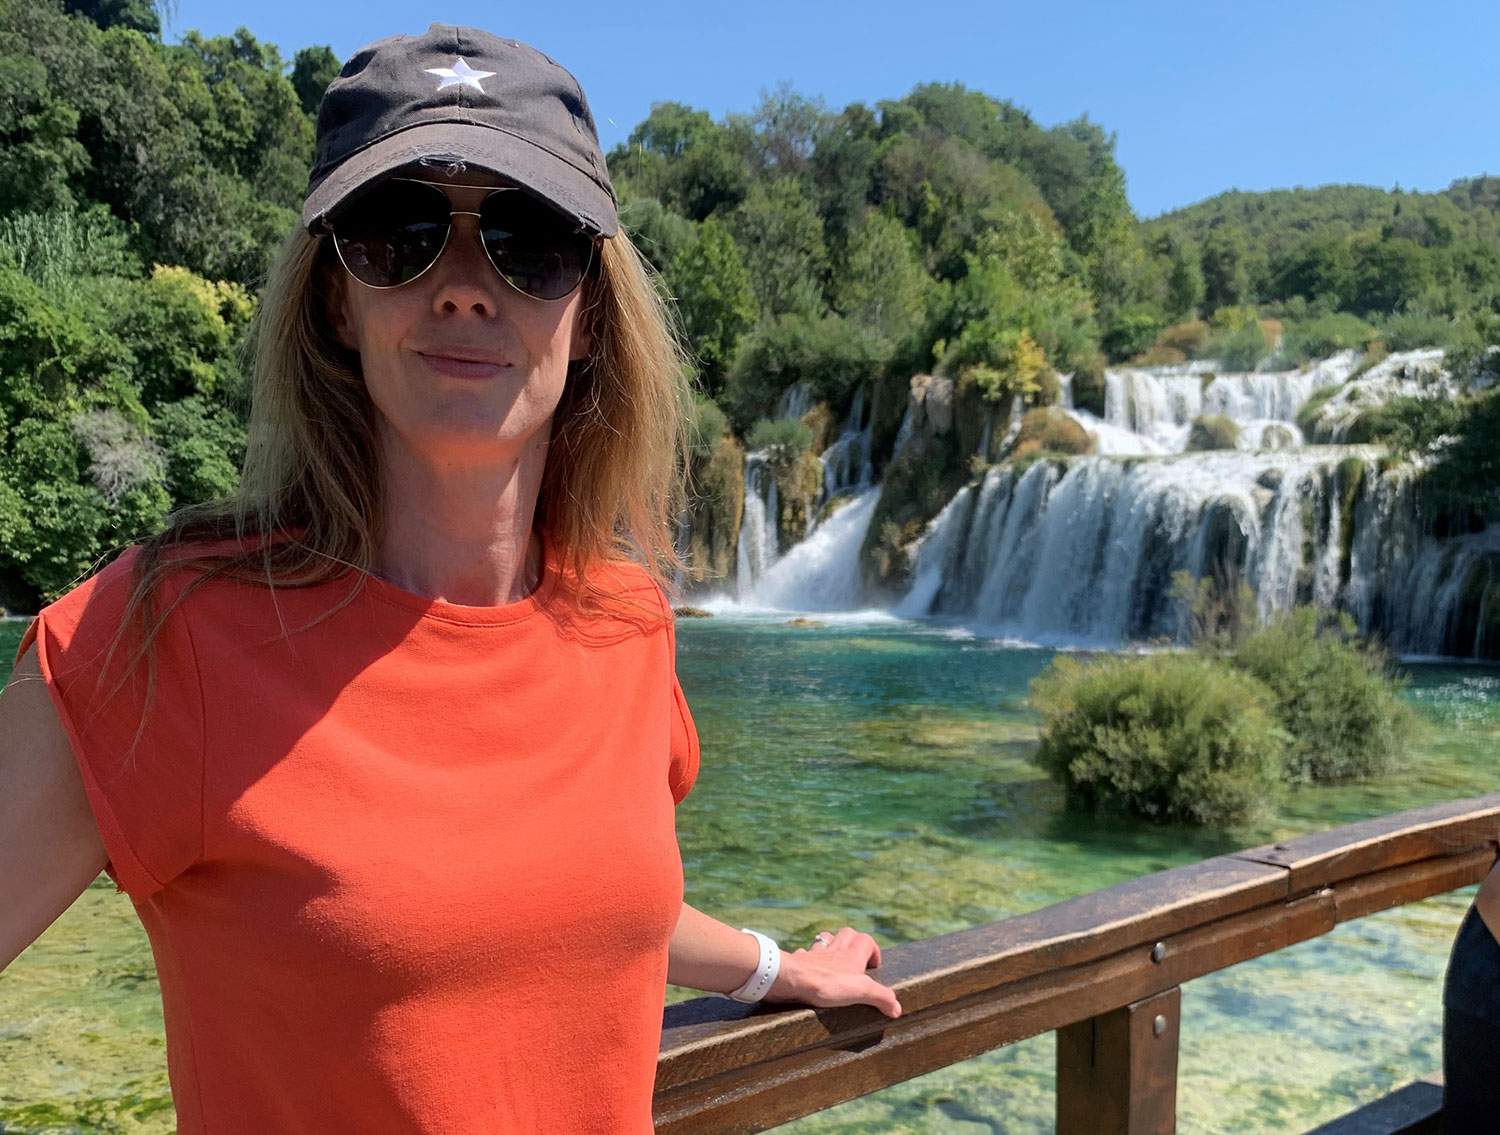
x=877, y=774
x=880, y=776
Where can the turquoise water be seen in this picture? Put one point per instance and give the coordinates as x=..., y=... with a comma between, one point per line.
x=878, y=775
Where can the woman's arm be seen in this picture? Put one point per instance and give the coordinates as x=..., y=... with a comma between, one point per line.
x=50, y=847
x=710, y=955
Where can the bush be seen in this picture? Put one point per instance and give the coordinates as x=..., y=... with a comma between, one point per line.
x=1051, y=430
x=1159, y=356
x=1334, y=696
x=1089, y=391
x=833, y=355
x=205, y=447
x=1242, y=348
x=1408, y=332
x=1130, y=332
x=1190, y=338
x=706, y=425
x=1312, y=410
x=786, y=439
x=1327, y=335
x=1213, y=431
x=1407, y=423
x=1001, y=362
x=1173, y=737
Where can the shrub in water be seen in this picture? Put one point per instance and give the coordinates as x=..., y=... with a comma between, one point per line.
x=1335, y=696
x=1170, y=736
x=785, y=439
x=1213, y=431
x=1050, y=430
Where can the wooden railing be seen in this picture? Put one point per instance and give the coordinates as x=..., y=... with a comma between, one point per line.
x=1104, y=970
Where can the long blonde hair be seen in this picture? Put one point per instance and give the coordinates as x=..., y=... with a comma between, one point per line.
x=308, y=506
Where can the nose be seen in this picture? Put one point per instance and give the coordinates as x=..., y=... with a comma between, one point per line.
x=465, y=279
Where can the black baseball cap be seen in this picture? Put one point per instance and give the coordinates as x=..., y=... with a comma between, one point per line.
x=455, y=97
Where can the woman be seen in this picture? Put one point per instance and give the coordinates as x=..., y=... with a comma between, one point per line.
x=393, y=791
x=1471, y=1017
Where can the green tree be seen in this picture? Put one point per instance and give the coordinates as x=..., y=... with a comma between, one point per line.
x=832, y=355
x=1226, y=276
x=686, y=160
x=1185, y=288
x=788, y=130
x=1388, y=274
x=313, y=68
x=137, y=15
x=1319, y=268
x=661, y=233
x=781, y=237
x=881, y=284
x=716, y=299
x=843, y=170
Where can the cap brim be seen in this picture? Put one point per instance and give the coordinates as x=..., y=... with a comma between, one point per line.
x=554, y=180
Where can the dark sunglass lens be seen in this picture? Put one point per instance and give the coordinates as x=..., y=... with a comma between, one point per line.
x=532, y=245
x=392, y=233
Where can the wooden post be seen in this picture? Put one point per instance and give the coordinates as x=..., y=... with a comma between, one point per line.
x=1117, y=1072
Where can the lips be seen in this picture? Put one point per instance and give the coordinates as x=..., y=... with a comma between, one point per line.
x=463, y=362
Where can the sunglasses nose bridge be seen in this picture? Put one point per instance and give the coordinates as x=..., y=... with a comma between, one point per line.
x=456, y=236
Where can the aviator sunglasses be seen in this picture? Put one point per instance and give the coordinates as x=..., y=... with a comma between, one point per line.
x=390, y=234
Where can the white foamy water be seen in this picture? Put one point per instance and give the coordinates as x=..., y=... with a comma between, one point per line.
x=1083, y=552
x=821, y=573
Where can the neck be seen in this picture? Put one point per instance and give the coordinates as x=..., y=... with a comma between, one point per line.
x=461, y=533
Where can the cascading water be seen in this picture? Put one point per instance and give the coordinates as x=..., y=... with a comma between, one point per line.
x=795, y=401
x=846, y=462
x=1150, y=410
x=1084, y=553
x=1087, y=554
x=822, y=572
x=757, y=543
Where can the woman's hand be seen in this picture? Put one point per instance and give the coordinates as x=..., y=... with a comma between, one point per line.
x=832, y=972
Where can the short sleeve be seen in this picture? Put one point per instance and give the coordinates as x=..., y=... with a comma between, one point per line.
x=142, y=764
x=684, y=750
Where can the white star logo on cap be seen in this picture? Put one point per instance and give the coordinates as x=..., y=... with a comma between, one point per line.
x=460, y=72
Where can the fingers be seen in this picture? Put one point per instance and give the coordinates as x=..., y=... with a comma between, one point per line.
x=854, y=939
x=883, y=997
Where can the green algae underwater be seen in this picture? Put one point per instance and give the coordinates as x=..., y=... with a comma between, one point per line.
x=878, y=774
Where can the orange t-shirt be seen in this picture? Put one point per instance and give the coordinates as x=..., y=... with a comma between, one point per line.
x=411, y=869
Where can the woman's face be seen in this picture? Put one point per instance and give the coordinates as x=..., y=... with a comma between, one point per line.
x=461, y=304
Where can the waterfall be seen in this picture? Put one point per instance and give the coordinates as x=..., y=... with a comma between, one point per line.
x=822, y=572
x=1083, y=552
x=1157, y=405
x=795, y=401
x=1086, y=554
x=757, y=542
x=846, y=461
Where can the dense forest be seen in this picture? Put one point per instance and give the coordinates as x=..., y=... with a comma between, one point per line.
x=945, y=231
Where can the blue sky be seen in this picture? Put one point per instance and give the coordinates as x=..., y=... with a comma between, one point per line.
x=1203, y=96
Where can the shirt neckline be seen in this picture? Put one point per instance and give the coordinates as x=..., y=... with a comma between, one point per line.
x=430, y=607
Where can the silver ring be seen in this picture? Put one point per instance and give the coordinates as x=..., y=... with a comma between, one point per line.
x=821, y=937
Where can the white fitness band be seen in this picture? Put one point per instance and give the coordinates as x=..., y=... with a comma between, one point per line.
x=760, y=982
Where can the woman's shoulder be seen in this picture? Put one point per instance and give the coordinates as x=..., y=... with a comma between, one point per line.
x=113, y=581
x=624, y=592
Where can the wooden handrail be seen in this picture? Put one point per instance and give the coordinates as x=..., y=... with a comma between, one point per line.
x=1103, y=968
